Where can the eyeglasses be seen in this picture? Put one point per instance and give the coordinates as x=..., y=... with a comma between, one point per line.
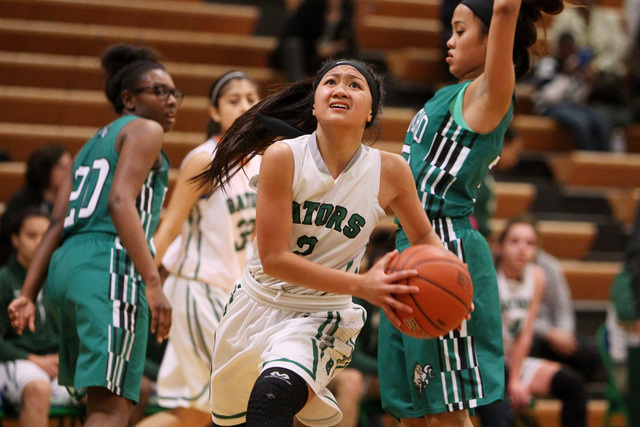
x=163, y=92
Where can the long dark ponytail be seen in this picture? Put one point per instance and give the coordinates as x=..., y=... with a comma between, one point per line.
x=249, y=136
x=527, y=33
x=287, y=113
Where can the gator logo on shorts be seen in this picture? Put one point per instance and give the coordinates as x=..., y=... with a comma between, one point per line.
x=421, y=376
x=329, y=366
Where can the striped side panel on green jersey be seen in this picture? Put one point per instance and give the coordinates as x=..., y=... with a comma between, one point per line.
x=458, y=358
x=124, y=289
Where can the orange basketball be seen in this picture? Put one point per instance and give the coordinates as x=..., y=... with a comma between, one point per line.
x=445, y=293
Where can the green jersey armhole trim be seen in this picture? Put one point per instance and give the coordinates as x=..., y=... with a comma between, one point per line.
x=455, y=107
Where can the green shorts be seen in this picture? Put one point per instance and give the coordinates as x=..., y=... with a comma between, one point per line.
x=621, y=294
x=103, y=312
x=461, y=370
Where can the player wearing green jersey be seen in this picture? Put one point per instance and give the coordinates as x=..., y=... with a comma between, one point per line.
x=451, y=144
x=102, y=278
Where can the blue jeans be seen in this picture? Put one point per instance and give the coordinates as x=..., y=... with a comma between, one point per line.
x=591, y=130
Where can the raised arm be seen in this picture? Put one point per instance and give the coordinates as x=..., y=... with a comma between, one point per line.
x=184, y=197
x=488, y=97
x=398, y=191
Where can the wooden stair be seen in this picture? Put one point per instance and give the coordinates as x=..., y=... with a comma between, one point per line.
x=163, y=14
x=17, y=35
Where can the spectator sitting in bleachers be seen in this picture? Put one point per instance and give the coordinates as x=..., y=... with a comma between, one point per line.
x=318, y=30
x=563, y=82
x=555, y=336
x=28, y=362
x=46, y=167
x=521, y=284
x=600, y=31
x=633, y=57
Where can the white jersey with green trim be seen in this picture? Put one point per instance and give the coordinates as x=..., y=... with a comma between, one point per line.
x=332, y=218
x=515, y=299
x=215, y=241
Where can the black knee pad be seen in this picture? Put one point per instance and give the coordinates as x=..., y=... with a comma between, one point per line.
x=277, y=396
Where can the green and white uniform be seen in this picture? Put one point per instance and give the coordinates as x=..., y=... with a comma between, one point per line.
x=15, y=370
x=463, y=369
x=270, y=323
x=99, y=295
x=204, y=262
x=515, y=300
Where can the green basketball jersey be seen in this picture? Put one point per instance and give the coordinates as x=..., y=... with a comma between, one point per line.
x=448, y=161
x=93, y=172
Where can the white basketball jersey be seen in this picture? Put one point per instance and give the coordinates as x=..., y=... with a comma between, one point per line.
x=515, y=298
x=332, y=218
x=215, y=242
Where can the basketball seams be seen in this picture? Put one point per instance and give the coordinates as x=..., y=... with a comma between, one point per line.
x=417, y=305
x=436, y=284
x=442, y=271
x=439, y=286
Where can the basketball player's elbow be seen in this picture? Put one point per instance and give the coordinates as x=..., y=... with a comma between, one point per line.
x=118, y=203
x=114, y=204
x=272, y=263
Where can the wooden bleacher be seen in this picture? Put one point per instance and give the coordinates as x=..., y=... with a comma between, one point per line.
x=590, y=280
x=416, y=65
x=196, y=16
x=89, y=108
x=17, y=35
x=554, y=236
x=44, y=70
x=542, y=134
x=632, y=135
x=513, y=198
x=22, y=138
x=596, y=169
x=394, y=122
x=426, y=9
x=385, y=32
x=623, y=203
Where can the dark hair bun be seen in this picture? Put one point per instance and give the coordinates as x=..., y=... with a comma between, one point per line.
x=121, y=55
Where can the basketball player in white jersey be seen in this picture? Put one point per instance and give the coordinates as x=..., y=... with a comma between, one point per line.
x=291, y=325
x=521, y=285
x=212, y=243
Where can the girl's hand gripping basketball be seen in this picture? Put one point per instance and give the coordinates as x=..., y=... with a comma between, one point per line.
x=385, y=287
x=22, y=312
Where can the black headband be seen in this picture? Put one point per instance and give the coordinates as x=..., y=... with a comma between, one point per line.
x=375, y=98
x=483, y=9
